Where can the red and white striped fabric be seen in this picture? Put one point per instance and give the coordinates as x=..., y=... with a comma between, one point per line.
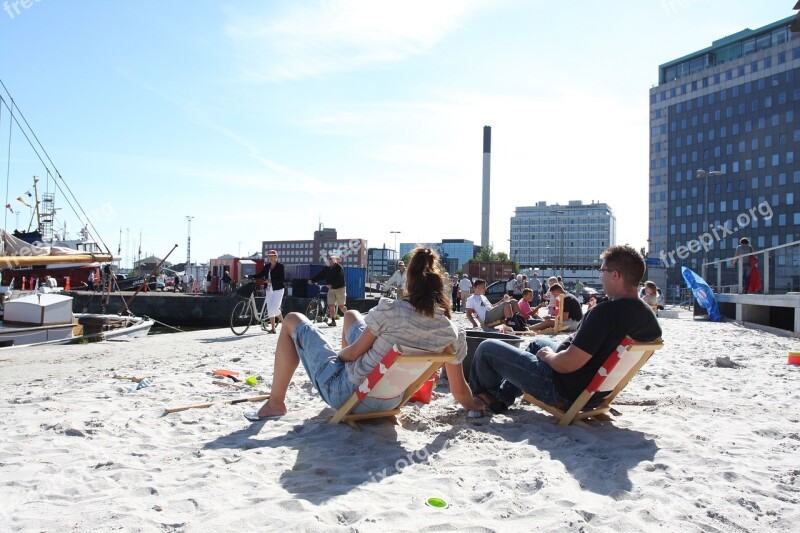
x=609, y=375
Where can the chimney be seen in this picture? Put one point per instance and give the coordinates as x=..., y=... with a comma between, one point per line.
x=487, y=157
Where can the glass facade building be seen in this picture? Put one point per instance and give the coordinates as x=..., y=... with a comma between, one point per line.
x=381, y=263
x=723, y=138
x=562, y=237
x=454, y=253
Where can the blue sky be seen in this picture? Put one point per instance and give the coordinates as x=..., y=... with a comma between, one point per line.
x=261, y=119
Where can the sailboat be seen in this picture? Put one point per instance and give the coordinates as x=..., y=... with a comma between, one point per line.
x=39, y=251
x=30, y=257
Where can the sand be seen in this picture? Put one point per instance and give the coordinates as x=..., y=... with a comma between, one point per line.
x=701, y=446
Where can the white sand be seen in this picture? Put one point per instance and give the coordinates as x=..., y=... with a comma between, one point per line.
x=699, y=448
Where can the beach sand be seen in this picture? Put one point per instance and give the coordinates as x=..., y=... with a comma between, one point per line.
x=700, y=446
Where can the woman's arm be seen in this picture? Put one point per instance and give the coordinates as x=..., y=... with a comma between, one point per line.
x=460, y=388
x=358, y=348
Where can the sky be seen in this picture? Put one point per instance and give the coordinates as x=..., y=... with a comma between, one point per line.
x=263, y=120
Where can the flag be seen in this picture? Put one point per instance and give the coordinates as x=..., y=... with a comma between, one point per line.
x=10, y=208
x=29, y=194
x=703, y=293
x=23, y=201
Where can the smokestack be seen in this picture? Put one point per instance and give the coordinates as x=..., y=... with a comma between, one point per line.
x=487, y=157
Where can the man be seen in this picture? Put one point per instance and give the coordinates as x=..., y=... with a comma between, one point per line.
x=557, y=375
x=511, y=285
x=572, y=311
x=333, y=274
x=465, y=285
x=488, y=315
x=398, y=280
x=578, y=290
x=536, y=287
x=525, y=309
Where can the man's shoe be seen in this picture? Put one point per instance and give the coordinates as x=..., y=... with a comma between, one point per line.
x=332, y=323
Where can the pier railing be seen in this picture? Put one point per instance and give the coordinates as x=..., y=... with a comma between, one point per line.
x=787, y=260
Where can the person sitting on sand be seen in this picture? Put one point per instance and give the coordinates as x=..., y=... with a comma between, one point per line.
x=488, y=315
x=421, y=320
x=525, y=309
x=650, y=295
x=557, y=374
x=572, y=311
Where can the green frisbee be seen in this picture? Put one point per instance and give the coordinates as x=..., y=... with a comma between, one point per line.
x=438, y=503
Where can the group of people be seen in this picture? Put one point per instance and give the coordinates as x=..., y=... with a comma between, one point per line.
x=500, y=372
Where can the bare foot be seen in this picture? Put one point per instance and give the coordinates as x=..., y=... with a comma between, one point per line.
x=269, y=410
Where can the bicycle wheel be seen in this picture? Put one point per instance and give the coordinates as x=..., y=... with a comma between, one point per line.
x=312, y=310
x=241, y=317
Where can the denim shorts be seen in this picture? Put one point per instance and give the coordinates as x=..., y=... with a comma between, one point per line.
x=327, y=372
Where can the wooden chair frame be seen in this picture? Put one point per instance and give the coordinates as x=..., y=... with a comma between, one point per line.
x=559, y=326
x=394, y=359
x=620, y=367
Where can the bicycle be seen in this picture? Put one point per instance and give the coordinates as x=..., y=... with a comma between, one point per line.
x=246, y=311
x=317, y=309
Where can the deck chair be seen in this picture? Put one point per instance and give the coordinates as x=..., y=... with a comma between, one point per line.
x=402, y=371
x=559, y=326
x=612, y=377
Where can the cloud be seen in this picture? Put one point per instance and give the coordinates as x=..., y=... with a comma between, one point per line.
x=314, y=39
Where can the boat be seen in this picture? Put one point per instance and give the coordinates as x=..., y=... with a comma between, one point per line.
x=47, y=318
x=37, y=318
x=28, y=256
x=112, y=327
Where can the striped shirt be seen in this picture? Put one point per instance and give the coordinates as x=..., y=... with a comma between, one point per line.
x=397, y=322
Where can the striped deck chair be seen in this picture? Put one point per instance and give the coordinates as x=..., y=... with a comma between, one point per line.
x=401, y=372
x=612, y=377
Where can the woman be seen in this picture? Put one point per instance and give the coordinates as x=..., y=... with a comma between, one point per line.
x=272, y=274
x=650, y=296
x=421, y=320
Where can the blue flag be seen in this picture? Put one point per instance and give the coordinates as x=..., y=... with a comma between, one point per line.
x=703, y=293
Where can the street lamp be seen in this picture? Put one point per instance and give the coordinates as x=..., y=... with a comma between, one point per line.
x=706, y=174
x=395, y=244
x=189, y=241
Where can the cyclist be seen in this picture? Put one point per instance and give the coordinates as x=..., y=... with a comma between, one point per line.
x=333, y=274
x=398, y=280
x=273, y=277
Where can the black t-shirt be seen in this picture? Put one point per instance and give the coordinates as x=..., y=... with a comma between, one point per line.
x=333, y=275
x=573, y=307
x=600, y=333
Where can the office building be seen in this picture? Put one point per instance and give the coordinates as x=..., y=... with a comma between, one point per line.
x=381, y=263
x=723, y=137
x=352, y=252
x=454, y=253
x=567, y=239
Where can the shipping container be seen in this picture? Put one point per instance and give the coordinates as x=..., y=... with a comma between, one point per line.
x=354, y=279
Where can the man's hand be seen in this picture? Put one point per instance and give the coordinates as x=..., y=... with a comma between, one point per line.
x=310, y=282
x=544, y=352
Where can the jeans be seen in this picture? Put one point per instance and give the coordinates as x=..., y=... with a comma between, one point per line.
x=746, y=270
x=506, y=372
x=328, y=373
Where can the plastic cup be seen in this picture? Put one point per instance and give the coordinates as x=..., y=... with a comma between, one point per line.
x=251, y=380
x=794, y=358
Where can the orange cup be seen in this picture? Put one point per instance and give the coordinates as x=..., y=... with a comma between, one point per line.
x=794, y=358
